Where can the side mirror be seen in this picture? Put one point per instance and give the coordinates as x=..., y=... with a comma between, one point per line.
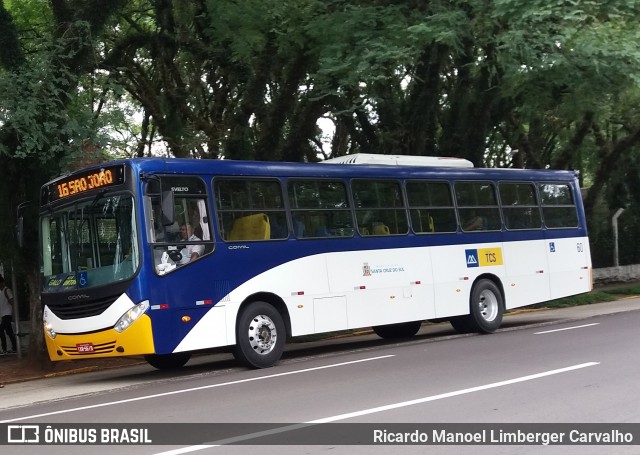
x=153, y=188
x=168, y=208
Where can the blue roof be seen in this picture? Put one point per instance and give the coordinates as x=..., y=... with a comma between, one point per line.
x=286, y=169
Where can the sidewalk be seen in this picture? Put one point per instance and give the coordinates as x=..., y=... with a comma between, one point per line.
x=14, y=369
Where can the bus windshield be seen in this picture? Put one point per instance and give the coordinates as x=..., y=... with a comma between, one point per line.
x=90, y=243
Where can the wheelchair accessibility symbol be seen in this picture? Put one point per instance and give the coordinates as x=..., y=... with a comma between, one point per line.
x=82, y=280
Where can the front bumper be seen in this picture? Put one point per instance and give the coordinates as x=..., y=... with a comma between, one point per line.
x=135, y=340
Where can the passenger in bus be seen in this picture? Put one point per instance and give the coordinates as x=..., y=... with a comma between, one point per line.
x=299, y=229
x=190, y=252
x=475, y=223
x=278, y=229
x=321, y=221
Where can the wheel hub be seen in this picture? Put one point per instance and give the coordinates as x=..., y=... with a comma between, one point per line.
x=262, y=334
x=488, y=304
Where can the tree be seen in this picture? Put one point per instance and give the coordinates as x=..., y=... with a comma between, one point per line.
x=41, y=125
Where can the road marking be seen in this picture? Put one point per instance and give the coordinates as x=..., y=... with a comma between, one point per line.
x=388, y=407
x=195, y=389
x=455, y=393
x=567, y=328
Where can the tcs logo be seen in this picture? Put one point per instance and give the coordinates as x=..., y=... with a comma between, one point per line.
x=483, y=257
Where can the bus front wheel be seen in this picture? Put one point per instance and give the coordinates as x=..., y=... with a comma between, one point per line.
x=260, y=336
x=486, y=308
x=168, y=361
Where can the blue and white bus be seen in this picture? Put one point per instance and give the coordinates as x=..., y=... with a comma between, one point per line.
x=166, y=257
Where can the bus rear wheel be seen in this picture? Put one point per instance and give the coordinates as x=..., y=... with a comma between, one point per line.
x=168, y=361
x=486, y=308
x=260, y=336
x=461, y=324
x=401, y=330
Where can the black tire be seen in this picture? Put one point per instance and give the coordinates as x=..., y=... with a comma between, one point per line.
x=260, y=336
x=168, y=361
x=486, y=308
x=461, y=324
x=395, y=331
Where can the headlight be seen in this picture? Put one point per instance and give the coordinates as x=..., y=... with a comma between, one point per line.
x=48, y=329
x=130, y=316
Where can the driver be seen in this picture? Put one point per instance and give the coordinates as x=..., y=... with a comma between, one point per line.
x=192, y=251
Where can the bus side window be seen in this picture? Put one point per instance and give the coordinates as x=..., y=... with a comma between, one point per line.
x=519, y=205
x=431, y=207
x=478, y=206
x=250, y=209
x=379, y=207
x=319, y=208
x=558, y=206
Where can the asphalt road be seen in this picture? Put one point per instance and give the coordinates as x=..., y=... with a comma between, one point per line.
x=571, y=366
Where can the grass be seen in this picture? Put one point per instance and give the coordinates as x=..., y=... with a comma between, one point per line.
x=596, y=296
x=629, y=290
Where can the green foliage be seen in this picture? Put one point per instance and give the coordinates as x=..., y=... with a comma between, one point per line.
x=632, y=290
x=447, y=26
x=569, y=51
x=44, y=125
x=512, y=82
x=606, y=294
x=582, y=299
x=360, y=43
x=28, y=94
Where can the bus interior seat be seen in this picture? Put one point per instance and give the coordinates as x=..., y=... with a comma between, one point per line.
x=380, y=229
x=431, y=222
x=251, y=227
x=426, y=222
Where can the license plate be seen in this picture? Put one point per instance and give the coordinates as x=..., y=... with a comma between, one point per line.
x=84, y=347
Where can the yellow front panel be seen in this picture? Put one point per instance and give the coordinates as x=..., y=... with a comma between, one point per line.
x=136, y=340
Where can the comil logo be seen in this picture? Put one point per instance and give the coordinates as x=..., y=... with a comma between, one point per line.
x=78, y=296
x=23, y=434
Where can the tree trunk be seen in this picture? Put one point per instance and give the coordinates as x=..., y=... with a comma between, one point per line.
x=37, y=352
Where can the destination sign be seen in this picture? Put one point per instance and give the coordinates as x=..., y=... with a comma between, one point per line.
x=82, y=182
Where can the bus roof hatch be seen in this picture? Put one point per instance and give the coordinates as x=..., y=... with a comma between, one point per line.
x=400, y=160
